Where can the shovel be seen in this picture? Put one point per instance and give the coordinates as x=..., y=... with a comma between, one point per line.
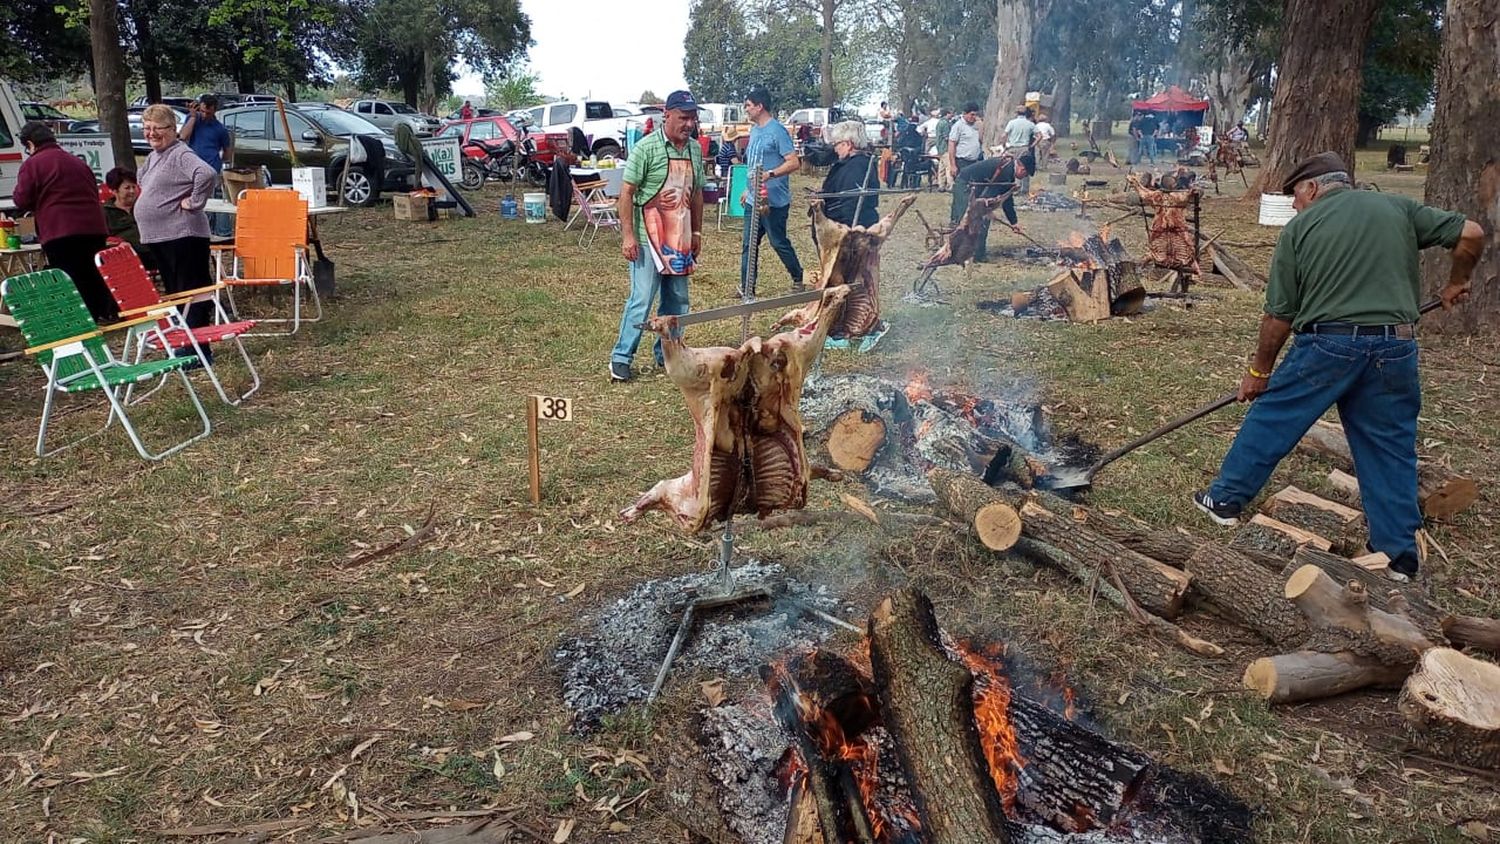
x=1068, y=482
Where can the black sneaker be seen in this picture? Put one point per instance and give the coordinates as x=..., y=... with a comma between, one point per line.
x=1227, y=515
x=1403, y=569
x=619, y=373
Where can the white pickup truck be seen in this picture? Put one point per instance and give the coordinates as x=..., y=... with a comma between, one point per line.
x=596, y=118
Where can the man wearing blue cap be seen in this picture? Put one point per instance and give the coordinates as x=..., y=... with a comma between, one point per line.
x=661, y=212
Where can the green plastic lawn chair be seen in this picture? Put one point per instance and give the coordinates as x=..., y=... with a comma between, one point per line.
x=70, y=347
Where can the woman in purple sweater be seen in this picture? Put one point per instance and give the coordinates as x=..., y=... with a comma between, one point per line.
x=60, y=189
x=175, y=185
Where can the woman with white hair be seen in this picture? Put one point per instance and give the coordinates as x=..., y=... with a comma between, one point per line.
x=175, y=186
x=852, y=172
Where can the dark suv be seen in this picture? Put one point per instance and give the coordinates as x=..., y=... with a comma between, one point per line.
x=322, y=135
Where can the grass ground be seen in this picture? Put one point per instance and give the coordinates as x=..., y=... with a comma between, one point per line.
x=204, y=642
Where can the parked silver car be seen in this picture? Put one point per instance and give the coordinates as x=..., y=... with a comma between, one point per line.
x=388, y=114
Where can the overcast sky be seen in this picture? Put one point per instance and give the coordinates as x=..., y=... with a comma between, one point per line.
x=602, y=50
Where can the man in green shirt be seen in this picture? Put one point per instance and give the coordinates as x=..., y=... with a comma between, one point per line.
x=1345, y=279
x=661, y=209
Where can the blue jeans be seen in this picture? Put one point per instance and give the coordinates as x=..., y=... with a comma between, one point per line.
x=645, y=284
x=1374, y=382
x=773, y=222
x=1148, y=147
x=221, y=225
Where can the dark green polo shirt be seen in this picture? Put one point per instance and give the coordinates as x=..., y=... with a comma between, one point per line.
x=1351, y=256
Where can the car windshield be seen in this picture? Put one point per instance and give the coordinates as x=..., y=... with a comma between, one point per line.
x=340, y=122
x=402, y=108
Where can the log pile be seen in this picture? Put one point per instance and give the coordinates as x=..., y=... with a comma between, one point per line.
x=1441, y=491
x=975, y=758
x=1101, y=282
x=1338, y=622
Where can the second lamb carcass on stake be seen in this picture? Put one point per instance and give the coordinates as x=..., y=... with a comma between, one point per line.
x=850, y=255
x=747, y=439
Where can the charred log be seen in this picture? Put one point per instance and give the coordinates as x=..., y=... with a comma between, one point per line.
x=927, y=700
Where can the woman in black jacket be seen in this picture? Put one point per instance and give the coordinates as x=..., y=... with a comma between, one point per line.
x=852, y=172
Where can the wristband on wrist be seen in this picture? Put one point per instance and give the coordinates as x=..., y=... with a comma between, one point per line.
x=1255, y=374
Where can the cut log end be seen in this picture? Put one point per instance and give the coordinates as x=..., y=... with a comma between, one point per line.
x=1452, y=703
x=1309, y=675
x=1302, y=580
x=998, y=526
x=1449, y=498
x=855, y=439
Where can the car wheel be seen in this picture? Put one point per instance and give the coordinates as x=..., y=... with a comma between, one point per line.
x=359, y=189
x=472, y=177
x=608, y=148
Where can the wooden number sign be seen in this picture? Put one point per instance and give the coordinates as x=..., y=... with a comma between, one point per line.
x=552, y=409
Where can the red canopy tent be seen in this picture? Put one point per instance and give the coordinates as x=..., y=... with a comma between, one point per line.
x=1172, y=99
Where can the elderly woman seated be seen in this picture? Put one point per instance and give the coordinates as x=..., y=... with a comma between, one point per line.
x=119, y=211
x=851, y=172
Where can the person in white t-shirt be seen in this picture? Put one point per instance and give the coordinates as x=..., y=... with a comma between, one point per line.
x=1046, y=137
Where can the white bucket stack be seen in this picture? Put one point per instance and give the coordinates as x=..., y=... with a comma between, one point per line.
x=1276, y=210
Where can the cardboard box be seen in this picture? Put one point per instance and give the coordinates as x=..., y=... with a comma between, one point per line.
x=236, y=181
x=411, y=206
x=310, y=182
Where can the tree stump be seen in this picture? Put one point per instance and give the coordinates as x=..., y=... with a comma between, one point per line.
x=1452, y=703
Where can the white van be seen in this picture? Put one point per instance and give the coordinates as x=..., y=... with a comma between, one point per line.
x=10, y=145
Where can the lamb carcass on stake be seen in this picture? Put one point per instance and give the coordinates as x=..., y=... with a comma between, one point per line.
x=850, y=255
x=747, y=438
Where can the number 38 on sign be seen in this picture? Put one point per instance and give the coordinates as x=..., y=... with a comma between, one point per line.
x=552, y=409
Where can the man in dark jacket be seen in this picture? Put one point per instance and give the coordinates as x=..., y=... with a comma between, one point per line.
x=851, y=172
x=59, y=189
x=986, y=179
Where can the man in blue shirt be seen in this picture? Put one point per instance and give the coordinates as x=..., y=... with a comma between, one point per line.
x=770, y=147
x=211, y=141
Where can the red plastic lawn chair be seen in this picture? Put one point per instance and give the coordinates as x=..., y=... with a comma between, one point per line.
x=131, y=286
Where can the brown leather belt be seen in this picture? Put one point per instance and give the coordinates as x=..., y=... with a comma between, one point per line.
x=1403, y=331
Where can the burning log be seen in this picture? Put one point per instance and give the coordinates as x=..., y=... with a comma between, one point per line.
x=1442, y=493
x=1452, y=704
x=1159, y=588
x=1102, y=282
x=928, y=704
x=1343, y=526
x=855, y=439
x=1353, y=644
x=817, y=736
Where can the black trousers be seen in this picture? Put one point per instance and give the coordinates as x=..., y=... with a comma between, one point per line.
x=74, y=255
x=184, y=265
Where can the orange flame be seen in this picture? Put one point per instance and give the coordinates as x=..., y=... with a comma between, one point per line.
x=917, y=387
x=1002, y=750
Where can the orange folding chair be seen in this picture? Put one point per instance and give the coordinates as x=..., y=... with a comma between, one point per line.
x=270, y=250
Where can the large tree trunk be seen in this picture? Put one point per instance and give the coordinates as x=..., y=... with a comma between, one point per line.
x=1230, y=83
x=1465, y=172
x=1015, y=21
x=109, y=76
x=927, y=700
x=1317, y=85
x=1062, y=105
x=141, y=13
x=825, y=59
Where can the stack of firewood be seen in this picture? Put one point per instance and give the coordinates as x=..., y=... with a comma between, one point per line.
x=1298, y=575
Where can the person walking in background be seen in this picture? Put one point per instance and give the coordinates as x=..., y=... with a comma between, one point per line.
x=940, y=149
x=1133, y=151
x=1019, y=134
x=1345, y=280
x=119, y=212
x=964, y=144
x=211, y=141
x=1046, y=136
x=770, y=149
x=1148, y=127
x=59, y=189
x=661, y=232
x=175, y=185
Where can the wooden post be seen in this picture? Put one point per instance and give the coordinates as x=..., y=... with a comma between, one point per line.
x=534, y=446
